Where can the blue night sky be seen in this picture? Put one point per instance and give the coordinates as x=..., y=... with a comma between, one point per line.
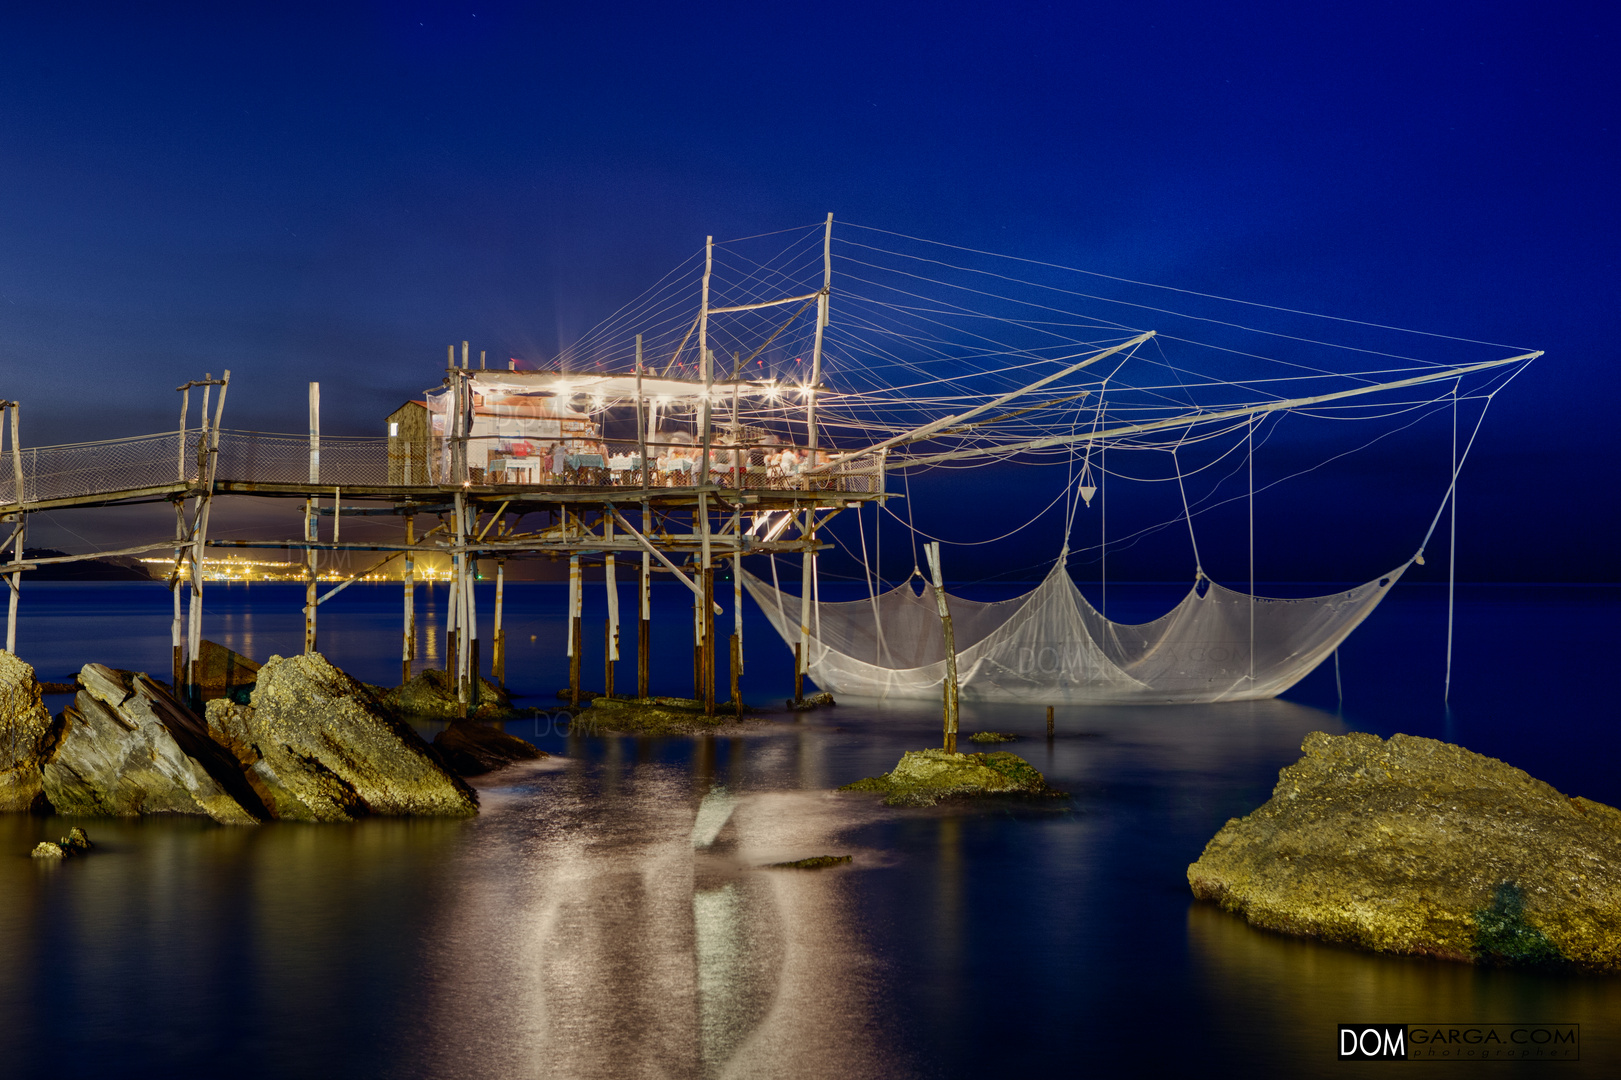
x=307, y=193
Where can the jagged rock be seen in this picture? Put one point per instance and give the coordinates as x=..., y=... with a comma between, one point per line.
x=924, y=777
x=992, y=737
x=77, y=841
x=815, y=701
x=324, y=749
x=1420, y=847
x=473, y=749
x=47, y=850
x=26, y=736
x=432, y=696
x=128, y=748
x=228, y=725
x=222, y=673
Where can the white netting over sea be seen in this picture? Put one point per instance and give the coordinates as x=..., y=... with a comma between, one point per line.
x=1050, y=645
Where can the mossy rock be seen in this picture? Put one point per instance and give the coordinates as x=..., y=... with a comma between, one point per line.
x=1418, y=847
x=992, y=737
x=924, y=777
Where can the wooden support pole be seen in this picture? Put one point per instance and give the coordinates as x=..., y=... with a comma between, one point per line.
x=408, y=645
x=806, y=602
x=311, y=565
x=452, y=604
x=20, y=492
x=471, y=624
x=644, y=629
x=498, y=665
x=709, y=641
x=932, y=550
x=737, y=669
x=574, y=639
x=611, y=654
x=178, y=674
x=1049, y=721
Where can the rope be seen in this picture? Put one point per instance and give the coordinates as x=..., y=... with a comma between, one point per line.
x=1452, y=552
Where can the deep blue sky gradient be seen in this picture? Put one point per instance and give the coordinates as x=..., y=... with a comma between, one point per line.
x=301, y=193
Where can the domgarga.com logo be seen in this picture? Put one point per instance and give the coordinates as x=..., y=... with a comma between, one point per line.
x=1460, y=1042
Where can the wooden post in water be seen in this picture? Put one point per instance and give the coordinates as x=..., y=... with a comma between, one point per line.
x=709, y=641
x=452, y=601
x=799, y=675
x=644, y=635
x=610, y=653
x=932, y=550
x=470, y=623
x=498, y=647
x=408, y=645
x=574, y=641
x=178, y=676
x=311, y=568
x=737, y=669
x=311, y=556
x=1049, y=721
x=20, y=532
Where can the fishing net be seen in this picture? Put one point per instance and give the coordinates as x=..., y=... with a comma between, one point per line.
x=1050, y=645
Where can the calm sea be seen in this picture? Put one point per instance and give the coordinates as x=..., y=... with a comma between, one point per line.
x=581, y=926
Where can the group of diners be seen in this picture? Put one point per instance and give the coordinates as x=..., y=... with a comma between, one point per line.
x=675, y=461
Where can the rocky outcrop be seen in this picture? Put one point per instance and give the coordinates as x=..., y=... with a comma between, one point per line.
x=432, y=696
x=822, y=700
x=924, y=777
x=473, y=749
x=26, y=737
x=318, y=746
x=1420, y=847
x=128, y=748
x=74, y=843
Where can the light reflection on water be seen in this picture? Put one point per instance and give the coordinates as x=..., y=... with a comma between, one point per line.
x=574, y=929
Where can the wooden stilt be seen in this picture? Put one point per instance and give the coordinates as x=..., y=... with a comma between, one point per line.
x=607, y=659
x=932, y=550
x=574, y=639
x=644, y=629
x=311, y=565
x=409, y=632
x=709, y=641
x=799, y=674
x=737, y=669
x=498, y=665
x=178, y=677
x=1049, y=721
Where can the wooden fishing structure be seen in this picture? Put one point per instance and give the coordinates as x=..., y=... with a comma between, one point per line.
x=480, y=468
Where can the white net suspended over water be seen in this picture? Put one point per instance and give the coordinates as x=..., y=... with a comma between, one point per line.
x=1050, y=645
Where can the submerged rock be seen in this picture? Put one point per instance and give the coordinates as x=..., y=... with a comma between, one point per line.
x=77, y=840
x=26, y=737
x=815, y=701
x=1416, y=846
x=432, y=696
x=651, y=716
x=320, y=747
x=128, y=748
x=816, y=862
x=222, y=673
x=473, y=749
x=924, y=777
x=992, y=737
x=47, y=850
